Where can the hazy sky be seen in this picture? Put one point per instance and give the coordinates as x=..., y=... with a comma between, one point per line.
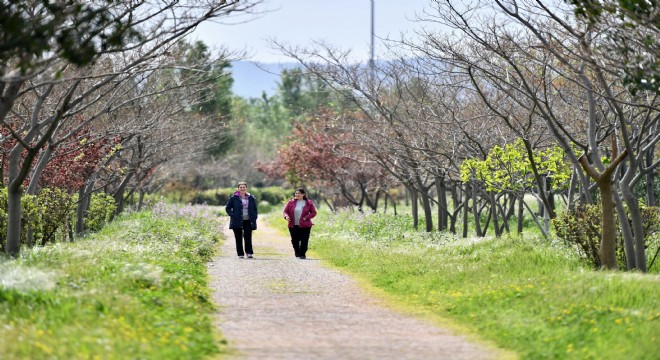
x=342, y=23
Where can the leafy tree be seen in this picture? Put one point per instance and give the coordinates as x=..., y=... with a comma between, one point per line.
x=509, y=169
x=216, y=100
x=317, y=155
x=304, y=94
x=35, y=32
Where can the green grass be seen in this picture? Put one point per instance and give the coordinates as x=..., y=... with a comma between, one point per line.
x=527, y=295
x=136, y=290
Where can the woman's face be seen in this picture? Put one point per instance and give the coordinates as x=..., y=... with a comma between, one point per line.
x=242, y=188
x=298, y=195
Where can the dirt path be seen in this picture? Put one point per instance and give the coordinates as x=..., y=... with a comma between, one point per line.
x=278, y=307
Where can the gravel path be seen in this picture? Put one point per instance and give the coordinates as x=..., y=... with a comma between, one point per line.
x=278, y=307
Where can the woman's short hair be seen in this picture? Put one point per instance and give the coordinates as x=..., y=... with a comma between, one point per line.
x=241, y=183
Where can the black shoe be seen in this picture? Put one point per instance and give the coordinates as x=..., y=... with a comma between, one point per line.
x=303, y=257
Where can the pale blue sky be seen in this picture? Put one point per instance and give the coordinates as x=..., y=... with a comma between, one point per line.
x=342, y=23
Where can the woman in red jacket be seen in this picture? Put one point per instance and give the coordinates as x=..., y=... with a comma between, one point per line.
x=299, y=212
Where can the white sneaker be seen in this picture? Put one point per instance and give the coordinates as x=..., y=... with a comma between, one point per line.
x=249, y=256
x=240, y=256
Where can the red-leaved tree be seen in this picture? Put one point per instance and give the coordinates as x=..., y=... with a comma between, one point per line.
x=320, y=155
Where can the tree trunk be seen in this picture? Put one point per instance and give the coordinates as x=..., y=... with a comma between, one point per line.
x=475, y=212
x=140, y=199
x=488, y=218
x=415, y=208
x=332, y=208
x=442, y=203
x=539, y=178
x=521, y=212
x=14, y=210
x=650, y=181
x=510, y=210
x=119, y=193
x=393, y=202
x=607, y=250
x=428, y=212
x=466, y=201
x=14, y=197
x=494, y=205
x=626, y=231
x=571, y=190
x=82, y=208
x=69, y=229
x=535, y=219
x=38, y=170
x=637, y=225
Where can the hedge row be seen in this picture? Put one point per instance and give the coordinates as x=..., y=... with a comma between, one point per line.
x=272, y=195
x=45, y=216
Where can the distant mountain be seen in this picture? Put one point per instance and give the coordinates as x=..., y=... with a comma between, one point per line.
x=252, y=79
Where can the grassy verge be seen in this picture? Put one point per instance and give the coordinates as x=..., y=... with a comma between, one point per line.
x=135, y=290
x=527, y=295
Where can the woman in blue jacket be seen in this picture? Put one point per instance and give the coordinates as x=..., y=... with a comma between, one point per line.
x=242, y=210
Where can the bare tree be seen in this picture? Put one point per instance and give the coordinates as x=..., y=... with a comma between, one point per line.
x=553, y=65
x=41, y=90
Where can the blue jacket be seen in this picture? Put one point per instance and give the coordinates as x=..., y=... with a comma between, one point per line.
x=234, y=209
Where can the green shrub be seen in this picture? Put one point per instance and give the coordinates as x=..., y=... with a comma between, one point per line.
x=651, y=221
x=101, y=210
x=46, y=216
x=32, y=213
x=57, y=208
x=272, y=195
x=581, y=230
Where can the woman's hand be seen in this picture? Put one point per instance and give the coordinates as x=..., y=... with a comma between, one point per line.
x=286, y=217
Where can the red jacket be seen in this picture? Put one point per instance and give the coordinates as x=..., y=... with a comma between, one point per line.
x=309, y=211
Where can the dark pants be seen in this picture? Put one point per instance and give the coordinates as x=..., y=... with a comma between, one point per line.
x=244, y=233
x=299, y=239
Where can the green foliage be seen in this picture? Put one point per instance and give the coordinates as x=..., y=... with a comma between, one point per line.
x=137, y=289
x=509, y=168
x=304, y=94
x=266, y=207
x=580, y=229
x=75, y=29
x=273, y=195
x=101, y=210
x=259, y=125
x=57, y=208
x=46, y=215
x=638, y=23
x=527, y=295
x=42, y=215
x=640, y=188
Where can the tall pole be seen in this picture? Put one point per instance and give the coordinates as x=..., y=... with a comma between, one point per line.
x=371, y=59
